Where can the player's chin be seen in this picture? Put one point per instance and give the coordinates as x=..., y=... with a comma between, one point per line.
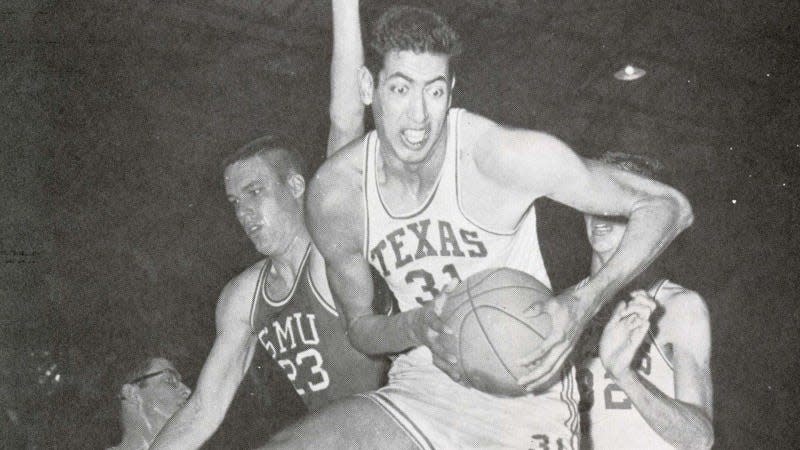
x=412, y=153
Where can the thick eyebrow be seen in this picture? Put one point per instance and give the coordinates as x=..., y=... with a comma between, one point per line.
x=441, y=78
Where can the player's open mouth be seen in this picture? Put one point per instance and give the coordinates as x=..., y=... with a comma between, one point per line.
x=414, y=138
x=599, y=229
x=252, y=229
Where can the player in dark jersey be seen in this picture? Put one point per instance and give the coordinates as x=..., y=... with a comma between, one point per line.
x=280, y=307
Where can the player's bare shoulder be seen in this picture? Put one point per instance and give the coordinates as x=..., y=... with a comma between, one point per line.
x=333, y=206
x=685, y=310
x=504, y=154
x=475, y=134
x=236, y=297
x=339, y=175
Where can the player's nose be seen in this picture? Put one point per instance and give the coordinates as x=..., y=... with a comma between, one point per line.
x=418, y=109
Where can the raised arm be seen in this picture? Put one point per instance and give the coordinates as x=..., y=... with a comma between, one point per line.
x=346, y=109
x=221, y=375
x=683, y=421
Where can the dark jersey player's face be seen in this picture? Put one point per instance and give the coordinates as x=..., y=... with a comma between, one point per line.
x=268, y=210
x=411, y=102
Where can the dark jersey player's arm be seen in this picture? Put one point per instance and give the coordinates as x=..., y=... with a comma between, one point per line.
x=222, y=372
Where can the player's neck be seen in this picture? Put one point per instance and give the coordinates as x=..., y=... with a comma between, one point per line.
x=598, y=261
x=416, y=178
x=136, y=437
x=292, y=256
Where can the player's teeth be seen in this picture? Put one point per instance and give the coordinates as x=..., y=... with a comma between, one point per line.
x=602, y=227
x=414, y=136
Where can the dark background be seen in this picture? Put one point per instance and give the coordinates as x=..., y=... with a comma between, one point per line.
x=115, y=236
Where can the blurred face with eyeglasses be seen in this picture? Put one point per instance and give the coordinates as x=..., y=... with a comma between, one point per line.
x=159, y=392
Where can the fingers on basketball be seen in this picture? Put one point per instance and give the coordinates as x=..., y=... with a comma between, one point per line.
x=535, y=357
x=436, y=323
x=546, y=368
x=447, y=367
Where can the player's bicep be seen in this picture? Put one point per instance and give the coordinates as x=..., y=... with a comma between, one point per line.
x=334, y=220
x=531, y=164
x=598, y=188
x=692, y=354
x=351, y=284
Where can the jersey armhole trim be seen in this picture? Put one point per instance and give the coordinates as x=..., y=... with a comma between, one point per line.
x=331, y=308
x=254, y=302
x=655, y=289
x=457, y=151
x=365, y=186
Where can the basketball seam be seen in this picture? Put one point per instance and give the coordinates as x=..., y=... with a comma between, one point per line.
x=469, y=297
x=485, y=335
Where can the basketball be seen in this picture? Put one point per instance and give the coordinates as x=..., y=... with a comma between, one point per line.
x=487, y=314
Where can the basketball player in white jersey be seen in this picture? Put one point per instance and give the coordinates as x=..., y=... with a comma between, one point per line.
x=433, y=196
x=642, y=385
x=281, y=307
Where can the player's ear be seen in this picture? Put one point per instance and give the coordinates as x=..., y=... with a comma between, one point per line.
x=452, y=88
x=366, y=85
x=297, y=184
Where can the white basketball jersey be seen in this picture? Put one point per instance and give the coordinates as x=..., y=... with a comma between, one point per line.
x=421, y=252
x=613, y=421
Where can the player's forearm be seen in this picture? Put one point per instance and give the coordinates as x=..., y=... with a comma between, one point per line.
x=190, y=427
x=380, y=335
x=346, y=111
x=654, y=223
x=681, y=424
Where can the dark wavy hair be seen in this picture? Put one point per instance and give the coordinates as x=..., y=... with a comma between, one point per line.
x=410, y=28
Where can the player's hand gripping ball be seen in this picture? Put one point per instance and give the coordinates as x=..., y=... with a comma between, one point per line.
x=487, y=313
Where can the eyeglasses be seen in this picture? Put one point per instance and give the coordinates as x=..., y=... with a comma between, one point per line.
x=173, y=379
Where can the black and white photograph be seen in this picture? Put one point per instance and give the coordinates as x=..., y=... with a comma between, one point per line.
x=411, y=225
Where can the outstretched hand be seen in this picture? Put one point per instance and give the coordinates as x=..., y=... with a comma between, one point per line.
x=546, y=361
x=624, y=333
